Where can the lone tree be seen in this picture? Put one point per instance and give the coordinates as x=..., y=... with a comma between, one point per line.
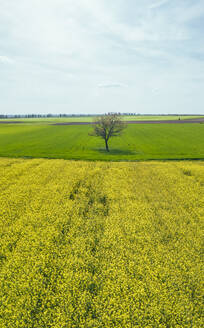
x=108, y=126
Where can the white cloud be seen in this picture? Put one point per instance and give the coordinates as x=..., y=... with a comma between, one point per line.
x=158, y=4
x=62, y=48
x=156, y=90
x=112, y=85
x=6, y=60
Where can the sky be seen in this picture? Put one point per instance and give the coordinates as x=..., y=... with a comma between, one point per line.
x=99, y=56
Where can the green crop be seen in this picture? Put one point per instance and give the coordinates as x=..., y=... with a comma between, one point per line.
x=86, y=244
x=139, y=142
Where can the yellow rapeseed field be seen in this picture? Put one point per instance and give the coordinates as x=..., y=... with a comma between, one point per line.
x=86, y=244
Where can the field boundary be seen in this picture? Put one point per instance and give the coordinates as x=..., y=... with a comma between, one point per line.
x=188, y=159
x=187, y=121
x=199, y=120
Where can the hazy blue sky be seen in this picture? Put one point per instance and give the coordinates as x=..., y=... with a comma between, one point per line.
x=96, y=56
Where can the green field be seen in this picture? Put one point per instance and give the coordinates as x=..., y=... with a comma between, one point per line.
x=47, y=120
x=139, y=142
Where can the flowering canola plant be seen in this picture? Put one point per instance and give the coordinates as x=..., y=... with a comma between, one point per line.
x=86, y=244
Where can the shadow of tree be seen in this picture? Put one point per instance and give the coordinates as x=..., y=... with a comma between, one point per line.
x=116, y=151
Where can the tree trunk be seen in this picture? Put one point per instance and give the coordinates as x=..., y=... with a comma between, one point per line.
x=106, y=141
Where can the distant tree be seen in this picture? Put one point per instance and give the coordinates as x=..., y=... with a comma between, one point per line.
x=108, y=126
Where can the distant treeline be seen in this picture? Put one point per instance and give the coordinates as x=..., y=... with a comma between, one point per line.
x=2, y=116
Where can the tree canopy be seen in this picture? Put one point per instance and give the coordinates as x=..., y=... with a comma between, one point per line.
x=107, y=126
